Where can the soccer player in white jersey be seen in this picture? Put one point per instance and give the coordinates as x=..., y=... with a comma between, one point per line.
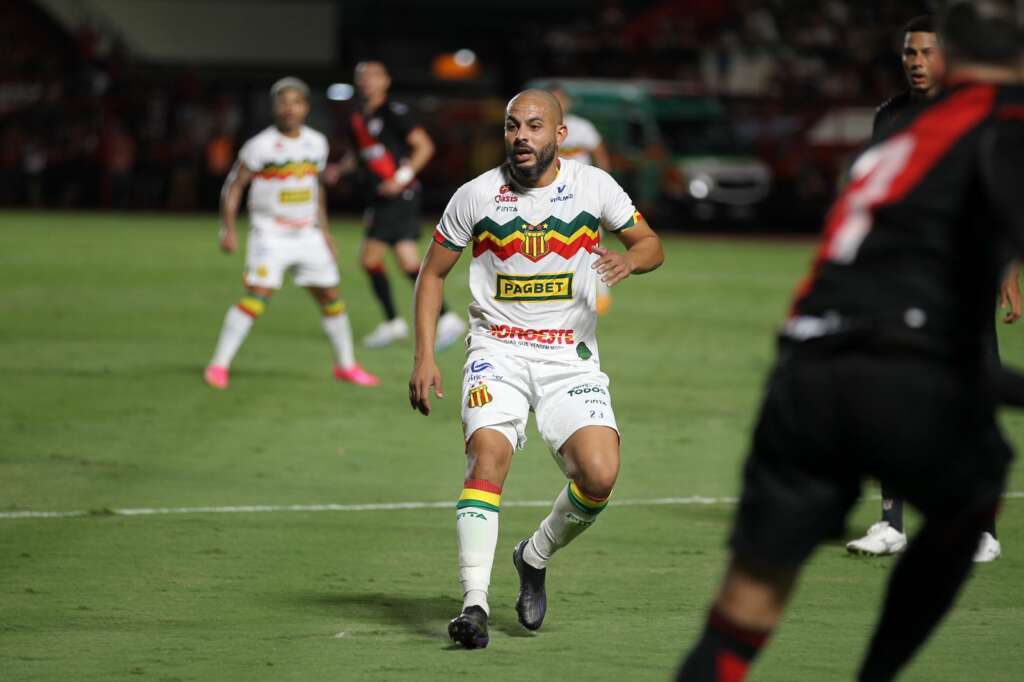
x=583, y=143
x=288, y=212
x=531, y=226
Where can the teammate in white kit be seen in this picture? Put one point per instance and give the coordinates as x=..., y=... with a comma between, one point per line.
x=583, y=143
x=532, y=225
x=288, y=212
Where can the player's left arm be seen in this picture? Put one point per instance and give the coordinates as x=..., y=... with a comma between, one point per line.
x=643, y=254
x=421, y=150
x=321, y=218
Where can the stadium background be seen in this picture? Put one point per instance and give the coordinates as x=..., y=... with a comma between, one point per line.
x=118, y=122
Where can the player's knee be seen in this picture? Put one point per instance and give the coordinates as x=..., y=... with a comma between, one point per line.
x=373, y=266
x=332, y=307
x=598, y=485
x=253, y=304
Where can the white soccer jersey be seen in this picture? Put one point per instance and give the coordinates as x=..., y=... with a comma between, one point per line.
x=580, y=140
x=531, y=278
x=284, y=191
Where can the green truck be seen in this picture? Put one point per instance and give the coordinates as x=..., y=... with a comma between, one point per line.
x=672, y=149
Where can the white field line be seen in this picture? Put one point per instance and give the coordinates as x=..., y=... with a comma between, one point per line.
x=381, y=506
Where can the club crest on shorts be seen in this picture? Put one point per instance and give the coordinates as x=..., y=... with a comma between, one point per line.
x=479, y=395
x=535, y=241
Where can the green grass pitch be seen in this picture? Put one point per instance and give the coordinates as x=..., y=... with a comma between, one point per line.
x=105, y=324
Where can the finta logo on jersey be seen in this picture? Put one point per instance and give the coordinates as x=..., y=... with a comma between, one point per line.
x=533, y=288
x=479, y=396
x=505, y=195
x=560, y=337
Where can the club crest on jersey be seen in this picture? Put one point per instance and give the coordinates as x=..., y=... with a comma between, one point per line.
x=479, y=396
x=535, y=241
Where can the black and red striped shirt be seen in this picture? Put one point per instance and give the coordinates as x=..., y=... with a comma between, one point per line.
x=933, y=213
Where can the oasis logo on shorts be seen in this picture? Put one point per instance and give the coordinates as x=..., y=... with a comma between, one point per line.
x=505, y=195
x=479, y=396
x=547, y=287
x=295, y=196
x=548, y=336
x=587, y=388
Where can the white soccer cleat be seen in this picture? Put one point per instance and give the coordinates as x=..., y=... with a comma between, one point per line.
x=881, y=540
x=989, y=549
x=450, y=328
x=386, y=333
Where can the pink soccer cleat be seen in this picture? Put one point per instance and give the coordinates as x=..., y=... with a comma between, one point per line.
x=355, y=375
x=216, y=376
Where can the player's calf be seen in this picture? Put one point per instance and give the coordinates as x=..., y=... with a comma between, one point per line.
x=237, y=323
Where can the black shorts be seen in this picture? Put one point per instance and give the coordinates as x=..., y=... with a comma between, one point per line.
x=830, y=419
x=394, y=219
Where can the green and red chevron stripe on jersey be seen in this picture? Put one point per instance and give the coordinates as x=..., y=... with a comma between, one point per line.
x=291, y=169
x=551, y=235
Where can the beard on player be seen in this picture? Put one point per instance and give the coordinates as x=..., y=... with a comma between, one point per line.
x=521, y=168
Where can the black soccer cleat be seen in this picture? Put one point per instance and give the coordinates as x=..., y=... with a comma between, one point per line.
x=469, y=628
x=532, y=602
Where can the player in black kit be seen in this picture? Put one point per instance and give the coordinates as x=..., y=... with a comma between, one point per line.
x=924, y=67
x=392, y=148
x=884, y=368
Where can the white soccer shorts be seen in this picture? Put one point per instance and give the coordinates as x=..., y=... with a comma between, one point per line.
x=499, y=391
x=304, y=252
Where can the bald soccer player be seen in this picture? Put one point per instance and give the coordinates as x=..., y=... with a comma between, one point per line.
x=532, y=227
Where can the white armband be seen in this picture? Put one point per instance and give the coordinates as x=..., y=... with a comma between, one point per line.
x=404, y=175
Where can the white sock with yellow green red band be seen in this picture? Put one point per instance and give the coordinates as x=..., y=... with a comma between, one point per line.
x=336, y=326
x=476, y=522
x=573, y=512
x=237, y=324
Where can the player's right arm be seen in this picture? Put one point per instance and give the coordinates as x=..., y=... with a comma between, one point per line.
x=230, y=198
x=1009, y=294
x=438, y=262
x=454, y=232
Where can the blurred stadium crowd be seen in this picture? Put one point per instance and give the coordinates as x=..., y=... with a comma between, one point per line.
x=86, y=123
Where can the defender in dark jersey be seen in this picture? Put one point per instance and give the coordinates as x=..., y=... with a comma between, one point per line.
x=392, y=148
x=883, y=367
x=924, y=67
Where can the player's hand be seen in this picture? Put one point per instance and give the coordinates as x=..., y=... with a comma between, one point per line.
x=228, y=240
x=1009, y=300
x=425, y=375
x=612, y=266
x=389, y=188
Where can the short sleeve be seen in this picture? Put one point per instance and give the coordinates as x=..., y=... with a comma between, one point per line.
x=324, y=150
x=591, y=138
x=455, y=229
x=1002, y=147
x=249, y=155
x=617, y=209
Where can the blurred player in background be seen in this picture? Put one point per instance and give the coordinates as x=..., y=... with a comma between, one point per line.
x=925, y=69
x=532, y=344
x=583, y=143
x=392, y=148
x=884, y=365
x=288, y=212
